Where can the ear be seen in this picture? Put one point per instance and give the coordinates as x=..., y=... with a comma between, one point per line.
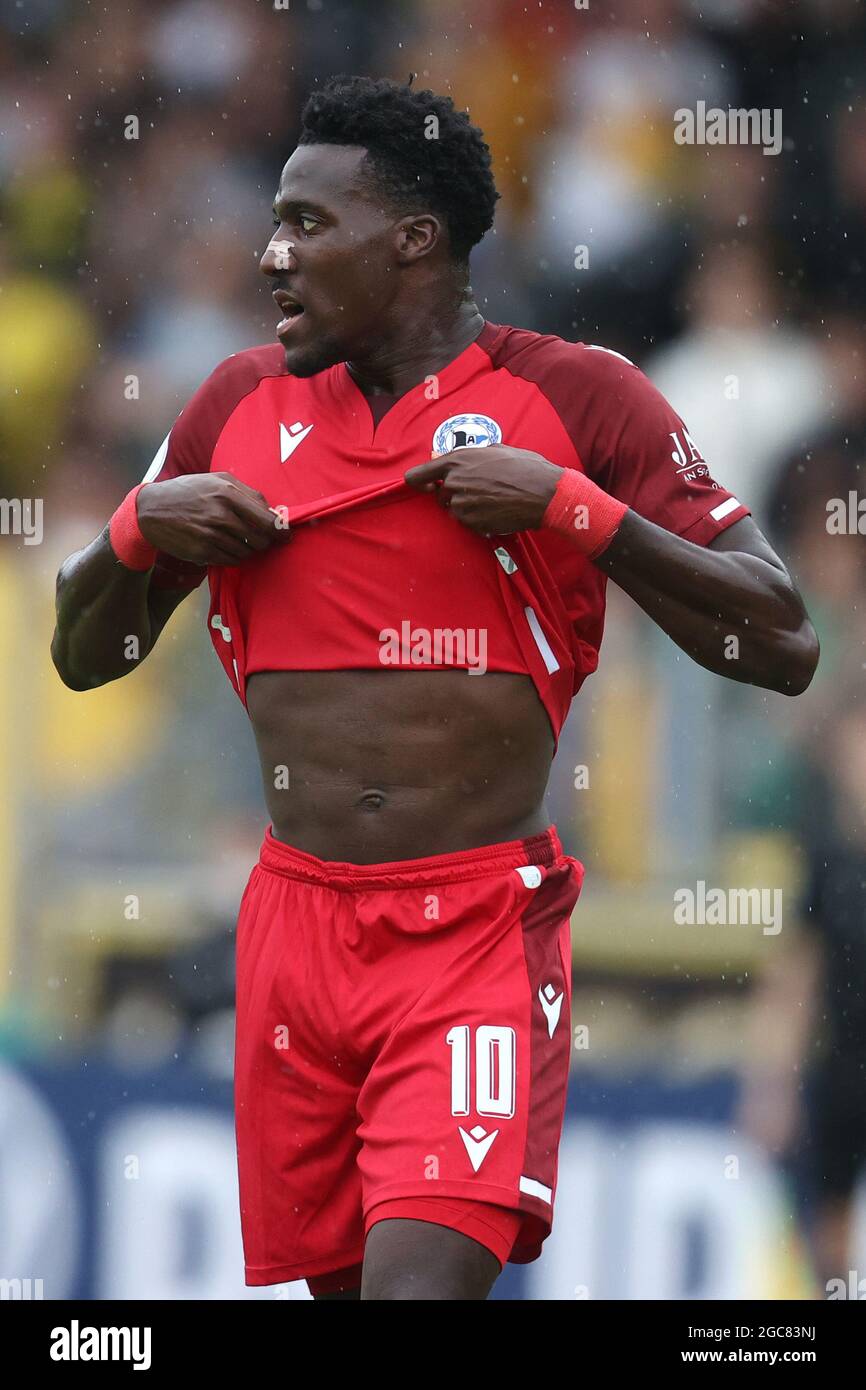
x=416, y=236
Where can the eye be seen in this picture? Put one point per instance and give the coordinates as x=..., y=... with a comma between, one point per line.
x=306, y=223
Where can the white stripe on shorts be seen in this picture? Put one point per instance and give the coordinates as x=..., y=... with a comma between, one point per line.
x=536, y=1189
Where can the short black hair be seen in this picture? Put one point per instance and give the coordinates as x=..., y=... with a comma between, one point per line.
x=450, y=174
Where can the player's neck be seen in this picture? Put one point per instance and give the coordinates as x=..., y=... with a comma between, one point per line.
x=418, y=348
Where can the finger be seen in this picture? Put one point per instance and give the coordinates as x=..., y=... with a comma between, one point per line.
x=257, y=519
x=425, y=476
x=223, y=555
x=255, y=543
x=464, y=510
x=275, y=517
x=232, y=548
x=236, y=535
x=238, y=485
x=472, y=524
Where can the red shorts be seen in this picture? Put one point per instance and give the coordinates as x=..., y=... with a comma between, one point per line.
x=403, y=1032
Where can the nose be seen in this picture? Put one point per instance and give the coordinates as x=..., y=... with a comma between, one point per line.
x=278, y=257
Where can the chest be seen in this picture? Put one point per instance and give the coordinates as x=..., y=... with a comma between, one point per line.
x=299, y=442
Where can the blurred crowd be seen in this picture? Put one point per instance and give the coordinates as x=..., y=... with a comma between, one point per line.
x=141, y=146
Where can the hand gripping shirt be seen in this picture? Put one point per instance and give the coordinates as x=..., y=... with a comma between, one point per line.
x=377, y=575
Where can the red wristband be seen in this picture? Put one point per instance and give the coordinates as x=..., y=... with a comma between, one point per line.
x=124, y=533
x=584, y=512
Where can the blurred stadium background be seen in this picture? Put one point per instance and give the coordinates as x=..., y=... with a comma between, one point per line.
x=129, y=817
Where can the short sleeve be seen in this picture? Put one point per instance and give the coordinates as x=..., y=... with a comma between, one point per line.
x=184, y=450
x=189, y=445
x=643, y=454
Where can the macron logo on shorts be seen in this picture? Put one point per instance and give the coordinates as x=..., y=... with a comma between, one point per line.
x=478, y=1144
x=551, y=1003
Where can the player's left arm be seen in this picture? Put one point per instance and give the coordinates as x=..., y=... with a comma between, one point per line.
x=730, y=602
x=731, y=605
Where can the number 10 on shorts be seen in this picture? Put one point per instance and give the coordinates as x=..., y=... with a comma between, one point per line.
x=495, y=1070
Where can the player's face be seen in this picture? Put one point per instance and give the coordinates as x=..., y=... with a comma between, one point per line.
x=330, y=259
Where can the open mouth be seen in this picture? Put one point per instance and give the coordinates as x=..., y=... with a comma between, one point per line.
x=291, y=310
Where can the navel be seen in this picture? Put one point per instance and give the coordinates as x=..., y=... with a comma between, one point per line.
x=372, y=799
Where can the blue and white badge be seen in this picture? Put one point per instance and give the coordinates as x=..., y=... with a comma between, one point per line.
x=466, y=432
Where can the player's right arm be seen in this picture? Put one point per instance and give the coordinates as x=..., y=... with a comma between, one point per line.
x=109, y=616
x=191, y=516
x=101, y=605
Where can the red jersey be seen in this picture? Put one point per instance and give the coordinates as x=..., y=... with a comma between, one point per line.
x=378, y=574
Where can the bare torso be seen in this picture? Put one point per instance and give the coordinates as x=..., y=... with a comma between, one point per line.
x=372, y=766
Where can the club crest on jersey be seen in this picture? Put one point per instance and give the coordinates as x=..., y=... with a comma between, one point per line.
x=466, y=432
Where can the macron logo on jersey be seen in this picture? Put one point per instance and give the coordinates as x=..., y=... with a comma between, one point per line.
x=290, y=438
